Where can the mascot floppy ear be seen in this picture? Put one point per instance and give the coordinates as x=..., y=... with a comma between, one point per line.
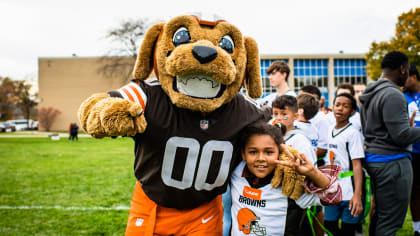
x=253, y=82
x=144, y=62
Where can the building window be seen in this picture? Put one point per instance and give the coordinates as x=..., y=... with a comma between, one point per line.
x=349, y=71
x=311, y=72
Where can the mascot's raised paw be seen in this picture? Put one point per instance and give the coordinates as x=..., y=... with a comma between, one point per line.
x=121, y=117
x=104, y=116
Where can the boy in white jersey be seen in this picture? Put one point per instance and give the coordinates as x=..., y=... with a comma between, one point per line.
x=285, y=112
x=355, y=118
x=321, y=125
x=320, y=121
x=345, y=149
x=307, y=109
x=257, y=207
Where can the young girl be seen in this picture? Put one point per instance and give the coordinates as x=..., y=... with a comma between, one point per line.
x=257, y=207
x=345, y=149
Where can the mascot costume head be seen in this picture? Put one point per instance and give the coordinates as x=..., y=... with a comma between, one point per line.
x=200, y=68
x=200, y=64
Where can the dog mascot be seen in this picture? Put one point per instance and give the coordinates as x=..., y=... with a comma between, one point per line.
x=185, y=123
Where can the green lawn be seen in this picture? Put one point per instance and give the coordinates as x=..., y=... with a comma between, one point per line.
x=406, y=230
x=87, y=173
x=36, y=132
x=27, y=133
x=40, y=172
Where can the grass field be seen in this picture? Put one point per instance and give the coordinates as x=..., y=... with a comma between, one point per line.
x=89, y=173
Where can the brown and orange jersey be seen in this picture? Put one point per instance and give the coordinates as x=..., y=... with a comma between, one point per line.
x=184, y=158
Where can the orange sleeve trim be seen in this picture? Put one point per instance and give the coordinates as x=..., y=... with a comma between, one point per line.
x=143, y=106
x=128, y=94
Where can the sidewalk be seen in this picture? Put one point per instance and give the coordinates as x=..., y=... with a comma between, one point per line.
x=37, y=134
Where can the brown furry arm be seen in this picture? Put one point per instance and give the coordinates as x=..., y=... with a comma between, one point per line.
x=104, y=116
x=87, y=117
x=286, y=177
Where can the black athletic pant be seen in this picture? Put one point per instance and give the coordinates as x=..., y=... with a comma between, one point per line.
x=391, y=186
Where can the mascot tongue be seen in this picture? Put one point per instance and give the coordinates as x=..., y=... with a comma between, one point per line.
x=199, y=86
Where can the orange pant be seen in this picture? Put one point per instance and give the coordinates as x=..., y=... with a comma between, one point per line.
x=148, y=218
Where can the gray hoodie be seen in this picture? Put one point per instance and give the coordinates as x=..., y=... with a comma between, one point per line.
x=385, y=121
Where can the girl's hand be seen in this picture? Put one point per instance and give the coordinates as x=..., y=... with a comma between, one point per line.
x=303, y=166
x=355, y=206
x=298, y=161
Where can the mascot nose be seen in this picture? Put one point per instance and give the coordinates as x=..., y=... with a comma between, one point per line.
x=204, y=54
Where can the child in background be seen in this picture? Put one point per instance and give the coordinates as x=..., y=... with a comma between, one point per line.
x=355, y=118
x=257, y=207
x=320, y=121
x=345, y=149
x=359, y=88
x=277, y=72
x=308, y=106
x=321, y=124
x=285, y=111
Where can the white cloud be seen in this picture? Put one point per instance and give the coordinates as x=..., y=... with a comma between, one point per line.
x=32, y=29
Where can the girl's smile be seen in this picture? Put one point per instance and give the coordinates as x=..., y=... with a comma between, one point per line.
x=260, y=153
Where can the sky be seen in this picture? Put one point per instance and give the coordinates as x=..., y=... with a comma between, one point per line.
x=60, y=28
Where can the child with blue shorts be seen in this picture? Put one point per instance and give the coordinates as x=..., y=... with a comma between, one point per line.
x=345, y=149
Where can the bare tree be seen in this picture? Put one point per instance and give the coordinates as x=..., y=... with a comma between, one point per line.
x=47, y=117
x=119, y=61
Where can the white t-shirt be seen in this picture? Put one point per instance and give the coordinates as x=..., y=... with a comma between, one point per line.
x=321, y=123
x=267, y=100
x=261, y=211
x=310, y=131
x=297, y=140
x=354, y=119
x=345, y=144
x=330, y=118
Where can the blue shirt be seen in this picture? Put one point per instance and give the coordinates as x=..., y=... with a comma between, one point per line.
x=369, y=157
x=413, y=102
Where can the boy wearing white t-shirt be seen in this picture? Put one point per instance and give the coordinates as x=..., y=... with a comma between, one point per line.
x=307, y=109
x=285, y=112
x=278, y=73
x=345, y=149
x=320, y=121
x=321, y=124
x=355, y=117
